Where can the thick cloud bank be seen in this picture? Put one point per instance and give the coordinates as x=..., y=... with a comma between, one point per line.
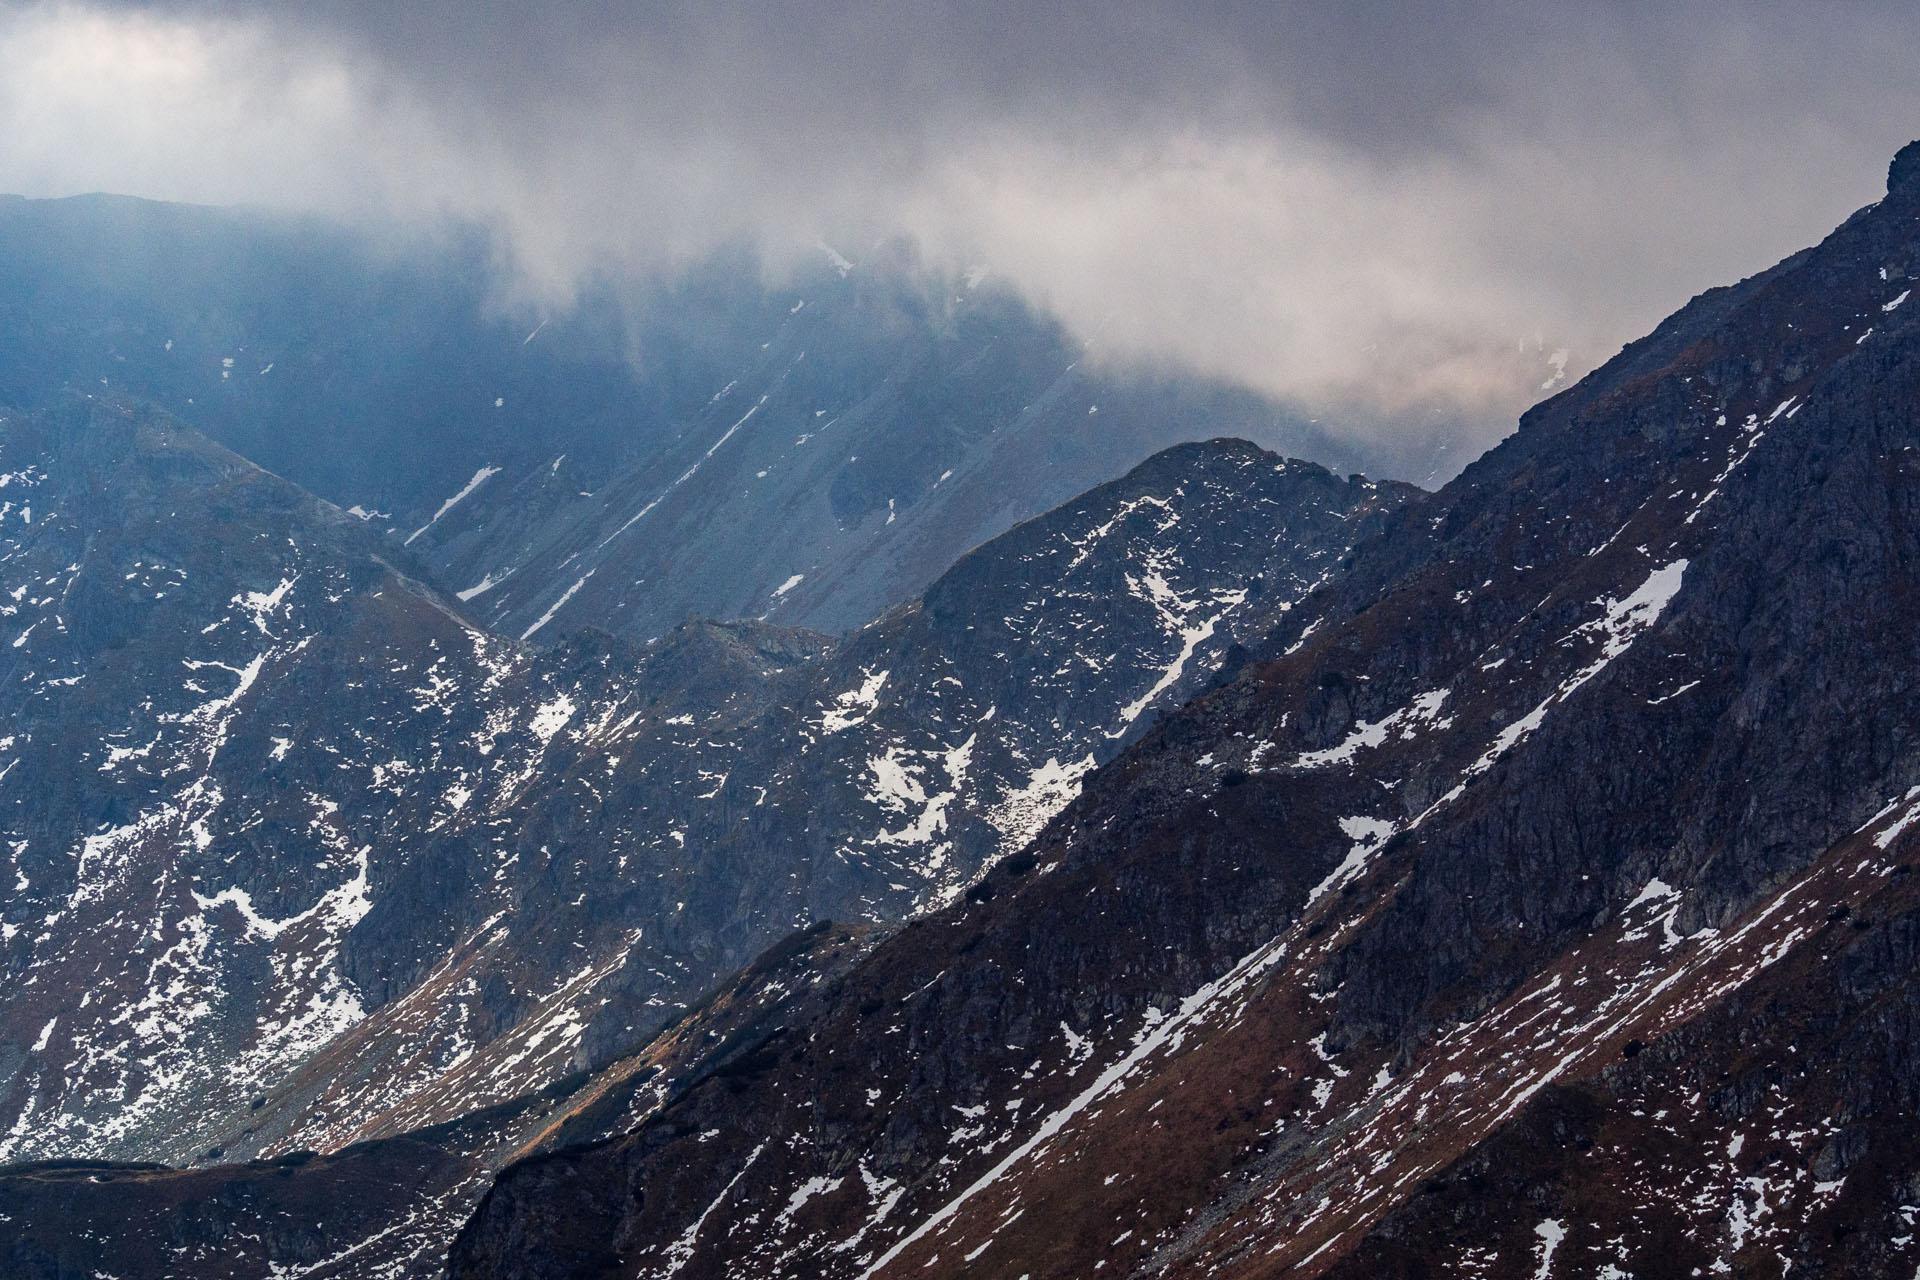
x=1365, y=207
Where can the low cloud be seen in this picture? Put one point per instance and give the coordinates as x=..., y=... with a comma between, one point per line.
x=1362, y=209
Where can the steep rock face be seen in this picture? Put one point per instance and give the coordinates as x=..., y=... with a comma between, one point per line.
x=1584, y=757
x=1771, y=1134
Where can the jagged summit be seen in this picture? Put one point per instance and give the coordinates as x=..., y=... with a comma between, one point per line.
x=1905, y=169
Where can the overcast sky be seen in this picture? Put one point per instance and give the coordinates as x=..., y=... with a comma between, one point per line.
x=1380, y=207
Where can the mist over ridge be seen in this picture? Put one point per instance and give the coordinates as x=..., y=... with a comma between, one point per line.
x=1372, y=217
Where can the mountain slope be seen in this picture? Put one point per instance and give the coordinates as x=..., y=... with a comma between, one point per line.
x=360, y=870
x=742, y=786
x=1571, y=766
x=814, y=451
x=236, y=738
x=886, y=426
x=383, y=1208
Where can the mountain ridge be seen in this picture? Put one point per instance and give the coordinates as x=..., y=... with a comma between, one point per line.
x=813, y=449
x=1494, y=808
x=461, y=792
x=1488, y=882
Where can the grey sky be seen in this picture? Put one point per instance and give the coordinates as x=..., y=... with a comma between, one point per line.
x=1382, y=209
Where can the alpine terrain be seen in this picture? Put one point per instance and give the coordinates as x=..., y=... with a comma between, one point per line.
x=812, y=447
x=1233, y=870
x=302, y=856
x=1536, y=901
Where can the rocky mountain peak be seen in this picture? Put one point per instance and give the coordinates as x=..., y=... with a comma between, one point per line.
x=1905, y=169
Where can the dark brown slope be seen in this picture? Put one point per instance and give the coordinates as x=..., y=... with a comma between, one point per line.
x=1574, y=756
x=1773, y=1132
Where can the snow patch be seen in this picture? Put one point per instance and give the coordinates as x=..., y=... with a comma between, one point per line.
x=1020, y=814
x=1551, y=1233
x=483, y=586
x=551, y=718
x=1623, y=622
x=479, y=478
x=557, y=605
x=1368, y=836
x=855, y=705
x=1423, y=711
